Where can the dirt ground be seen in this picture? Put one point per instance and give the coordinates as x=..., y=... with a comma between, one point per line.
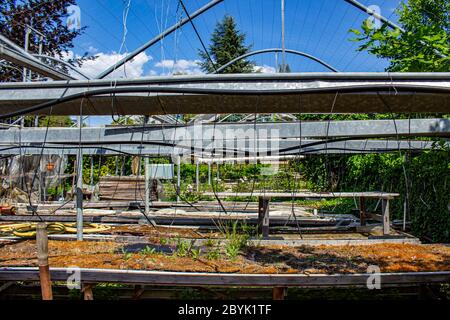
x=268, y=259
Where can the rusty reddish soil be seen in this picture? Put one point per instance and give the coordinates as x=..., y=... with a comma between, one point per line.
x=268, y=259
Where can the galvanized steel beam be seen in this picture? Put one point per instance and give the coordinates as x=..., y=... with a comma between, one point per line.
x=254, y=93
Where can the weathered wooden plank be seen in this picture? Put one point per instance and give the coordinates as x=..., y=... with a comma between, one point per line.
x=377, y=195
x=177, y=220
x=220, y=279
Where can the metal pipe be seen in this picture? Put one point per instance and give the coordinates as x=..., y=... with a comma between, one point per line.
x=79, y=189
x=209, y=173
x=147, y=185
x=197, y=178
x=264, y=158
x=230, y=78
x=283, y=46
x=43, y=56
x=178, y=177
x=27, y=40
x=252, y=53
x=158, y=38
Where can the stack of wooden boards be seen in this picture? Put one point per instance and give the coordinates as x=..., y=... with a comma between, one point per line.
x=126, y=188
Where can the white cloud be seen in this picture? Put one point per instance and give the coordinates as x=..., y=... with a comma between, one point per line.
x=91, y=68
x=132, y=69
x=179, y=66
x=264, y=69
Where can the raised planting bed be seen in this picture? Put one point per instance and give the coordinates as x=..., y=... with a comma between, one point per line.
x=213, y=257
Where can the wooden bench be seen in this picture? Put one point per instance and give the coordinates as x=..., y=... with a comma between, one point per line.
x=265, y=197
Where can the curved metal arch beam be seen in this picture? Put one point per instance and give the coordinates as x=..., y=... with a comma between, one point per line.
x=299, y=53
x=68, y=65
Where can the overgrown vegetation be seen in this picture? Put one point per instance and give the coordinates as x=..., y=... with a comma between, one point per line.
x=421, y=179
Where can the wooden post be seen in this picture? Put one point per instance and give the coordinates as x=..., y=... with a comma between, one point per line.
x=385, y=213
x=362, y=211
x=263, y=216
x=42, y=254
x=279, y=293
x=87, y=292
x=138, y=292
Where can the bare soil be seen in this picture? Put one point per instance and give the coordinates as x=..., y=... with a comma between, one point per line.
x=268, y=259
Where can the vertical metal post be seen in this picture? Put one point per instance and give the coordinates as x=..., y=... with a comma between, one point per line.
x=40, y=185
x=197, y=182
x=92, y=171
x=218, y=172
x=41, y=40
x=79, y=189
x=27, y=41
x=283, y=45
x=209, y=173
x=147, y=185
x=24, y=75
x=178, y=177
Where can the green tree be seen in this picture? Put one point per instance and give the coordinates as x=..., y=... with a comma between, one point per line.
x=48, y=18
x=424, y=46
x=227, y=43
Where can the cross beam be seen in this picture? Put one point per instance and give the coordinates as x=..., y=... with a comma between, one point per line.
x=208, y=133
x=248, y=93
x=284, y=148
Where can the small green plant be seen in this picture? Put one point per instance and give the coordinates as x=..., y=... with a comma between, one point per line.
x=237, y=236
x=213, y=254
x=126, y=255
x=163, y=241
x=183, y=248
x=148, y=250
x=195, y=253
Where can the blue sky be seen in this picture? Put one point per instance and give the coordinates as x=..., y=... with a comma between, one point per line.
x=318, y=27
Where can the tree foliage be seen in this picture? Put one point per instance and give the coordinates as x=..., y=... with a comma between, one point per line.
x=227, y=43
x=45, y=16
x=423, y=47
x=48, y=18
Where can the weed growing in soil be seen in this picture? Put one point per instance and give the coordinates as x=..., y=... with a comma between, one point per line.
x=185, y=249
x=237, y=236
x=148, y=251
